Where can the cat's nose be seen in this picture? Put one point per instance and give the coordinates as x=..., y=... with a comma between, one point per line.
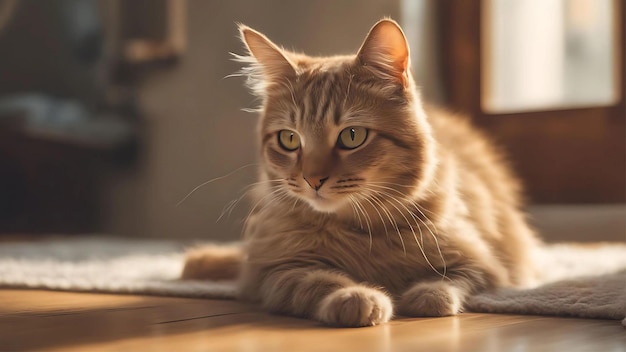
x=315, y=182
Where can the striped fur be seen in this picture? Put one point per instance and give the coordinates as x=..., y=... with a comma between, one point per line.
x=420, y=216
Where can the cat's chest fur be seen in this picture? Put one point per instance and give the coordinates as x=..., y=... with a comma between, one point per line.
x=389, y=258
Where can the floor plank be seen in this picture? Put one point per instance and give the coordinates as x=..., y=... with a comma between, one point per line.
x=64, y=321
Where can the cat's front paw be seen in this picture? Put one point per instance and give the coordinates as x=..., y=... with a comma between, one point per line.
x=431, y=299
x=355, y=306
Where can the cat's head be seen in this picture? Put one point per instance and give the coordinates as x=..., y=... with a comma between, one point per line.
x=335, y=130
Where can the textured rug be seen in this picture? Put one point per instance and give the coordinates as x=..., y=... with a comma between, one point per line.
x=578, y=281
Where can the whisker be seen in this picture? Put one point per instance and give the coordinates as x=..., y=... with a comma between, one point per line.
x=295, y=202
x=231, y=205
x=228, y=208
x=409, y=201
x=392, y=220
x=213, y=180
x=412, y=231
x=251, y=110
x=420, y=245
x=354, y=209
x=404, y=195
x=415, y=205
x=379, y=215
x=415, y=217
x=367, y=220
x=271, y=194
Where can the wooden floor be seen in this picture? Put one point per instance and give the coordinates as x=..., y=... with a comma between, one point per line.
x=62, y=321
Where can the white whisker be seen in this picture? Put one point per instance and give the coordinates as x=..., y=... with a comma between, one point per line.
x=379, y=215
x=213, y=180
x=416, y=206
x=233, y=203
x=392, y=220
x=404, y=197
x=276, y=189
x=415, y=219
x=356, y=213
x=295, y=202
x=366, y=217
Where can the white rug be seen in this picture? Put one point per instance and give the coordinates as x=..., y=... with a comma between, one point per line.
x=586, y=282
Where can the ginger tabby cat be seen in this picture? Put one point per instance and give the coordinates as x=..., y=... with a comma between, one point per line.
x=370, y=203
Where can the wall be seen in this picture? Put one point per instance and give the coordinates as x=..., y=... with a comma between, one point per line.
x=195, y=129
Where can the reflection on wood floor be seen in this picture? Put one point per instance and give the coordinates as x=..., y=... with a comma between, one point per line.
x=45, y=320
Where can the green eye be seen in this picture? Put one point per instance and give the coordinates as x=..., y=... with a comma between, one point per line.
x=352, y=137
x=288, y=140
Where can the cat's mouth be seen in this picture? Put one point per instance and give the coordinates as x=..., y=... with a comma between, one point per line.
x=323, y=204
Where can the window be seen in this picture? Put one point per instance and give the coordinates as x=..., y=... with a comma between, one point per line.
x=548, y=54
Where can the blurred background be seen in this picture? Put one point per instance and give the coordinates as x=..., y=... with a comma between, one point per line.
x=112, y=111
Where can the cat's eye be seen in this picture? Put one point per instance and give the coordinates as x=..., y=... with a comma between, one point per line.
x=352, y=137
x=288, y=140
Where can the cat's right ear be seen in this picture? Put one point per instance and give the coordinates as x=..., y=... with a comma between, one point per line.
x=272, y=60
x=386, y=51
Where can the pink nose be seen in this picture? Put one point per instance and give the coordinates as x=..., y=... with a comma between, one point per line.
x=315, y=182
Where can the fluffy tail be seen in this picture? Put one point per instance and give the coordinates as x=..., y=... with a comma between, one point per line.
x=213, y=262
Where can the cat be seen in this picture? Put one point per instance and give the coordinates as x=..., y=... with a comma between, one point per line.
x=370, y=202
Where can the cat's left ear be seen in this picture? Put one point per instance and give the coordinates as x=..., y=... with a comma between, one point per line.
x=385, y=49
x=272, y=59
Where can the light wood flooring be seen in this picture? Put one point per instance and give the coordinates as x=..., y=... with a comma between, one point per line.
x=34, y=320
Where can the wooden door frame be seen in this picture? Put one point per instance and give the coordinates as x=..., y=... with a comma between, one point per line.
x=573, y=155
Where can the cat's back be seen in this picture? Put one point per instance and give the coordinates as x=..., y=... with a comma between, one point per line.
x=475, y=153
x=457, y=134
x=486, y=185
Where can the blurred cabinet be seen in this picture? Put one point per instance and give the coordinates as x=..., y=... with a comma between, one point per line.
x=68, y=111
x=46, y=186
